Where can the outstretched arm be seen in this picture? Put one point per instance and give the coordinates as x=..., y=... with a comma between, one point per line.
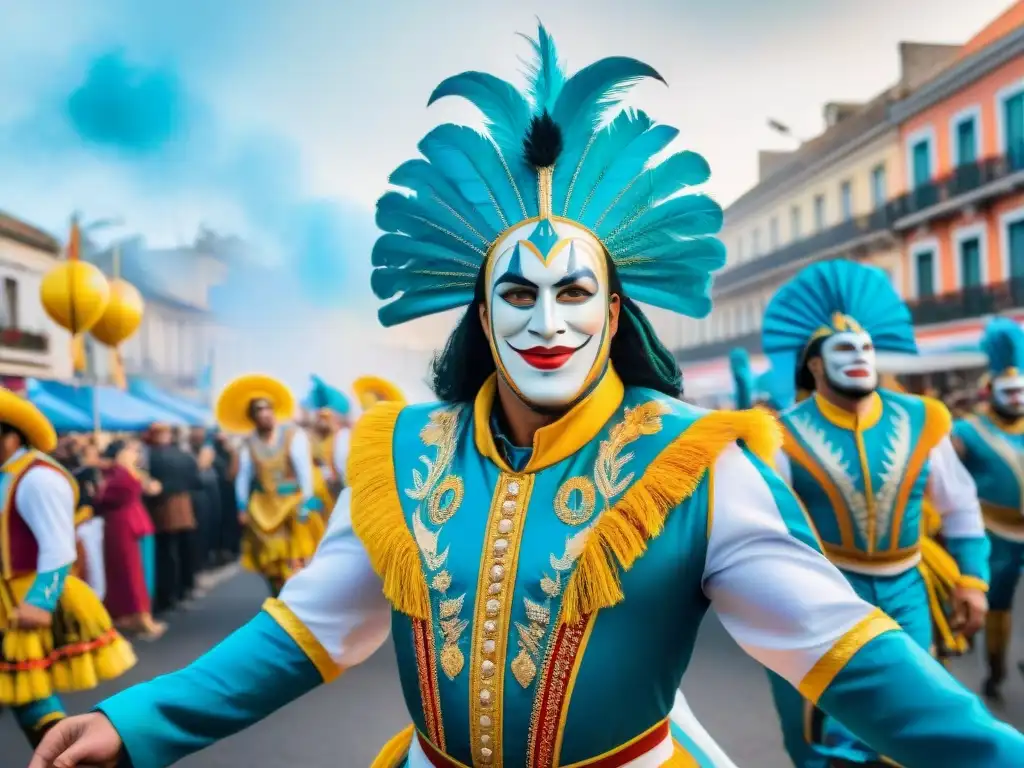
x=790, y=609
x=332, y=615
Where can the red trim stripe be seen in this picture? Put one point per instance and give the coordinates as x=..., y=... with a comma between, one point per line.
x=423, y=643
x=64, y=652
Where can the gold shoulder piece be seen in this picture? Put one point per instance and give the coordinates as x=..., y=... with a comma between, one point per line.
x=377, y=516
x=620, y=535
x=938, y=422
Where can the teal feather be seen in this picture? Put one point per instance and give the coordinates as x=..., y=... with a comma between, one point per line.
x=444, y=204
x=608, y=143
x=398, y=213
x=677, y=277
x=623, y=169
x=584, y=101
x=1003, y=344
x=809, y=300
x=680, y=217
x=416, y=304
x=393, y=250
x=506, y=112
x=387, y=282
x=654, y=186
x=323, y=395
x=742, y=378
x=546, y=76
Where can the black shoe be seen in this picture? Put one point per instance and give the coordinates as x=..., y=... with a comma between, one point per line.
x=990, y=689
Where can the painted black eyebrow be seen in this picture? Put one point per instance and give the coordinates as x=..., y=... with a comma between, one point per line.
x=515, y=279
x=574, y=277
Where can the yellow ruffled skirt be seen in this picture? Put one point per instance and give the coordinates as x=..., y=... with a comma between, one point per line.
x=78, y=652
x=281, y=547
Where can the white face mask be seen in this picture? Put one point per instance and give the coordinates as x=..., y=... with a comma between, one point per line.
x=547, y=301
x=1008, y=394
x=849, y=359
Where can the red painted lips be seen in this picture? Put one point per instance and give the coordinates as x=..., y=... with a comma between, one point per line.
x=546, y=358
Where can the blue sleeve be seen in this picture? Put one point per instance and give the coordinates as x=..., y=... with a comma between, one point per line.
x=901, y=701
x=254, y=672
x=47, y=587
x=971, y=555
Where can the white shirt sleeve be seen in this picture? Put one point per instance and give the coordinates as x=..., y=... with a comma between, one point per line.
x=302, y=461
x=782, y=466
x=341, y=443
x=243, y=480
x=954, y=493
x=46, y=502
x=781, y=601
x=338, y=596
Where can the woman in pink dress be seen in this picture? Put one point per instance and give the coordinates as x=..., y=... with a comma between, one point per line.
x=128, y=526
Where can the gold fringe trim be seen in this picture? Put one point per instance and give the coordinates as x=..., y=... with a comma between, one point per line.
x=377, y=516
x=620, y=535
x=395, y=751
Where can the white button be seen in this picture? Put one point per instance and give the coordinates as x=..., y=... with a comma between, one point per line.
x=508, y=507
x=489, y=646
x=485, y=754
x=497, y=573
x=485, y=739
x=513, y=487
x=500, y=546
x=485, y=696
x=487, y=668
x=490, y=626
x=492, y=607
x=505, y=526
x=494, y=589
x=485, y=721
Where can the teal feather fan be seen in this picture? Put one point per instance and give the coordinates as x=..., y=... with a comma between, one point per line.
x=743, y=378
x=808, y=304
x=776, y=384
x=472, y=186
x=1003, y=344
x=323, y=395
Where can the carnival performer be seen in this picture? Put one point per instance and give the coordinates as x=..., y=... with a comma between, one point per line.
x=860, y=459
x=554, y=628
x=55, y=635
x=329, y=441
x=274, y=485
x=991, y=445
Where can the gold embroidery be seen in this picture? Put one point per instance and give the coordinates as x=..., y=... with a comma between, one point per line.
x=644, y=419
x=576, y=501
x=443, y=494
x=491, y=617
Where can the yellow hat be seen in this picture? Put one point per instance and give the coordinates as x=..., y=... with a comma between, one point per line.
x=373, y=389
x=232, y=407
x=27, y=419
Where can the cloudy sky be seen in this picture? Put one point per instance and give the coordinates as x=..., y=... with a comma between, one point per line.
x=271, y=118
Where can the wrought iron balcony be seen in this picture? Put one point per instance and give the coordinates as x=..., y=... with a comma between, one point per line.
x=828, y=243
x=751, y=341
x=24, y=341
x=967, y=303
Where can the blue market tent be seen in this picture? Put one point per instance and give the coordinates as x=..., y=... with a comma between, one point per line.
x=194, y=415
x=63, y=416
x=118, y=411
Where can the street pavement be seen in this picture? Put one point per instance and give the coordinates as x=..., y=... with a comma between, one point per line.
x=343, y=725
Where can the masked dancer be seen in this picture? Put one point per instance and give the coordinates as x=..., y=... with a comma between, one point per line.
x=274, y=485
x=55, y=634
x=991, y=445
x=860, y=459
x=329, y=441
x=543, y=543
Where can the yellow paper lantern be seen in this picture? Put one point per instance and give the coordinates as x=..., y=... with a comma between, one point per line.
x=75, y=294
x=122, y=316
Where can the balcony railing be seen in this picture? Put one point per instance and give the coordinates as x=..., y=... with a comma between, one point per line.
x=751, y=341
x=24, y=341
x=827, y=241
x=964, y=180
x=968, y=302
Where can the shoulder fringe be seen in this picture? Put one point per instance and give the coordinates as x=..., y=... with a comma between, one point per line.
x=620, y=535
x=938, y=423
x=377, y=517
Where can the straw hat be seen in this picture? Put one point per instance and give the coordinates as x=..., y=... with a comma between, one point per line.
x=27, y=419
x=232, y=409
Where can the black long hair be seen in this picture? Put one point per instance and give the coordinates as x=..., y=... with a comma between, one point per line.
x=804, y=377
x=8, y=429
x=459, y=371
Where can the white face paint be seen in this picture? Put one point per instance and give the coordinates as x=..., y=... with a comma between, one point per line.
x=850, y=362
x=1008, y=394
x=547, y=300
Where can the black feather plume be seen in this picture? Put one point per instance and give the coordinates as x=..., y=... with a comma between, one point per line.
x=543, y=142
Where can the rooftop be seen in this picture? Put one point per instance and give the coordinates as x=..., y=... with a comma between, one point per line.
x=23, y=232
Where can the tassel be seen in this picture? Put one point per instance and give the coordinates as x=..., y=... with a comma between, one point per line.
x=78, y=356
x=620, y=534
x=393, y=754
x=377, y=516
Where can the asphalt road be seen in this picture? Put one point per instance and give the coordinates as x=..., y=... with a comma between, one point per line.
x=343, y=725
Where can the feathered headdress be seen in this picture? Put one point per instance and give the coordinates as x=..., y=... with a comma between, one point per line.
x=1003, y=343
x=323, y=396
x=742, y=378
x=835, y=296
x=544, y=155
